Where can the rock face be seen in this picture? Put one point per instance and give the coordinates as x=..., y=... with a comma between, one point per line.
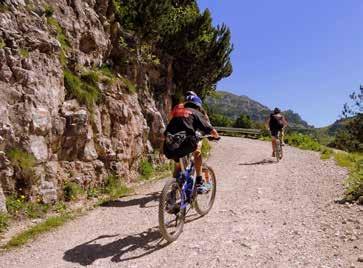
x=70, y=141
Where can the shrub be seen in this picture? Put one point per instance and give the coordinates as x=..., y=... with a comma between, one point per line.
x=48, y=11
x=326, y=153
x=131, y=87
x=15, y=206
x=146, y=169
x=205, y=148
x=4, y=221
x=115, y=188
x=2, y=43
x=24, y=53
x=72, y=191
x=22, y=160
x=302, y=141
x=354, y=183
x=84, y=89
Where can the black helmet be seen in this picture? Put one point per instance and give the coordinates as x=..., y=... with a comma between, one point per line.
x=277, y=111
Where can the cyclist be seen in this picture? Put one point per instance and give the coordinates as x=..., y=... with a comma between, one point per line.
x=276, y=123
x=181, y=138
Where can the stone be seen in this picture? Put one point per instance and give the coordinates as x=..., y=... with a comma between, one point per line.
x=38, y=147
x=360, y=258
x=360, y=200
x=2, y=201
x=41, y=121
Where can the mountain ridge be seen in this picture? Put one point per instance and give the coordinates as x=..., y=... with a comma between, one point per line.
x=232, y=106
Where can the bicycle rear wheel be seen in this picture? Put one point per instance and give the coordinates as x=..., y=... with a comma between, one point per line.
x=204, y=202
x=171, y=217
x=277, y=150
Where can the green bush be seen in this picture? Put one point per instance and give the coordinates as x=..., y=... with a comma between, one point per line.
x=64, y=42
x=4, y=222
x=72, y=191
x=24, y=53
x=326, y=153
x=33, y=232
x=205, y=148
x=354, y=183
x=84, y=89
x=131, y=87
x=22, y=160
x=48, y=11
x=19, y=207
x=146, y=169
x=2, y=43
x=115, y=188
x=302, y=141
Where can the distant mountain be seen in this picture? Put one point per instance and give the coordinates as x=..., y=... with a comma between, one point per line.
x=232, y=106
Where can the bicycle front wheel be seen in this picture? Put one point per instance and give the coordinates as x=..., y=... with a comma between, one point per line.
x=204, y=202
x=171, y=217
x=277, y=150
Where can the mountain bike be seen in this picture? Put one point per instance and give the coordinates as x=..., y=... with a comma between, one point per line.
x=278, y=147
x=179, y=195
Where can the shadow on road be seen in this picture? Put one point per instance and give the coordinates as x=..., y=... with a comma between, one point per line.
x=87, y=253
x=262, y=162
x=146, y=242
x=141, y=202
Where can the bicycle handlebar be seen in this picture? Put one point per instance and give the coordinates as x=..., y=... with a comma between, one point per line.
x=210, y=137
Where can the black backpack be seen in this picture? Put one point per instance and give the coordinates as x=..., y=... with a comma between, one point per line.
x=276, y=121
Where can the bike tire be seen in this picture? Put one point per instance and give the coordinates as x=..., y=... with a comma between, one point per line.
x=204, y=211
x=277, y=150
x=168, y=236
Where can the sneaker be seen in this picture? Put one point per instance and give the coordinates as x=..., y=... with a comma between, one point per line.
x=204, y=188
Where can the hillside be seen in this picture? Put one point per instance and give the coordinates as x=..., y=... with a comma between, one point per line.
x=232, y=106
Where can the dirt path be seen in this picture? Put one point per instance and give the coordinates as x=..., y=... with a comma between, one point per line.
x=265, y=215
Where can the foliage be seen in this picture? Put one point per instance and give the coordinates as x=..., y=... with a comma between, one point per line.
x=206, y=147
x=354, y=183
x=4, y=8
x=176, y=29
x=243, y=121
x=48, y=11
x=72, y=191
x=326, y=153
x=24, y=53
x=302, y=141
x=22, y=160
x=63, y=40
x=85, y=88
x=220, y=120
x=351, y=138
x=4, y=221
x=131, y=87
x=19, y=207
x=49, y=224
x=146, y=169
x=2, y=43
x=115, y=188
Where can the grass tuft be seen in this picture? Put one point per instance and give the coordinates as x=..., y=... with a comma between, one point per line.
x=115, y=188
x=131, y=87
x=22, y=160
x=4, y=222
x=48, y=11
x=2, y=43
x=84, y=88
x=146, y=169
x=326, y=153
x=72, y=191
x=30, y=234
x=24, y=53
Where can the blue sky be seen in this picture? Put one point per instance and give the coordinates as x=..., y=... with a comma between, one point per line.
x=303, y=55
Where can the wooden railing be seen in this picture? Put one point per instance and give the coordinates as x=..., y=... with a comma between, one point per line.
x=239, y=132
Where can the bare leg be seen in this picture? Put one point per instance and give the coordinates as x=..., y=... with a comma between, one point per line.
x=176, y=169
x=198, y=162
x=273, y=144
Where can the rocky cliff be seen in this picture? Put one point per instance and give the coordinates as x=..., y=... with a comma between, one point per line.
x=50, y=135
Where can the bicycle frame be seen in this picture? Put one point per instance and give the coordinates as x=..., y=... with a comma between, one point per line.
x=187, y=169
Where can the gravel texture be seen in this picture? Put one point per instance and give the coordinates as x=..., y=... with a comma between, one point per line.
x=265, y=215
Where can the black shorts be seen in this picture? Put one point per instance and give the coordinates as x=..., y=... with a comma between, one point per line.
x=275, y=132
x=177, y=151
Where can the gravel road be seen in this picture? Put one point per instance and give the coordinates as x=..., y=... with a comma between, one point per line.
x=265, y=215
